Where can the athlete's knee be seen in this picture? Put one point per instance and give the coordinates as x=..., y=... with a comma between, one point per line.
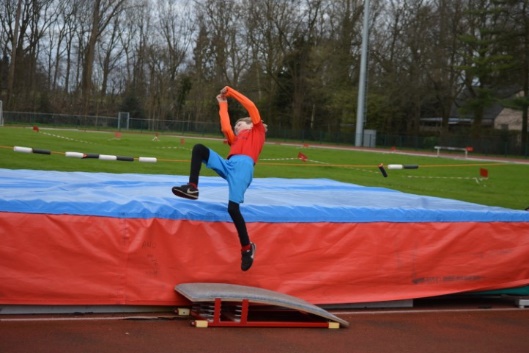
x=201, y=151
x=199, y=148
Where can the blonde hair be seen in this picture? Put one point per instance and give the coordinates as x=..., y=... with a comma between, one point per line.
x=248, y=120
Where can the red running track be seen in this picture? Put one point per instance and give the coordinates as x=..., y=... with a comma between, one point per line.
x=475, y=327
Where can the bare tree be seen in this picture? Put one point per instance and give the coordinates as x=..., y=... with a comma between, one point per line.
x=341, y=67
x=417, y=21
x=14, y=45
x=221, y=53
x=71, y=19
x=110, y=52
x=103, y=13
x=175, y=32
x=56, y=48
x=277, y=31
x=229, y=51
x=389, y=78
x=444, y=57
x=134, y=36
x=26, y=23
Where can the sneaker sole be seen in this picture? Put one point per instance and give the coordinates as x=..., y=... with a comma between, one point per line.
x=179, y=193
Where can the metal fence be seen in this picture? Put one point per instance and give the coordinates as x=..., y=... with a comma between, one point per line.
x=122, y=122
x=492, y=142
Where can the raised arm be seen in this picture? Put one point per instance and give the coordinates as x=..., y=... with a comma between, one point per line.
x=225, y=125
x=244, y=101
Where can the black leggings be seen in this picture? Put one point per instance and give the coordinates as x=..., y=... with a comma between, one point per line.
x=199, y=155
x=240, y=224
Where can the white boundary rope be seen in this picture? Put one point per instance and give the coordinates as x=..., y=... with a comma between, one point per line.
x=65, y=138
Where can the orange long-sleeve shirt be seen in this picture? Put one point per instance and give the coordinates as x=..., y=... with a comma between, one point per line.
x=247, y=142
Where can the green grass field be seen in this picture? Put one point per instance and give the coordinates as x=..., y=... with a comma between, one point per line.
x=458, y=179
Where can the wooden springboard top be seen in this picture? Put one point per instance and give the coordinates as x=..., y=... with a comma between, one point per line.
x=207, y=292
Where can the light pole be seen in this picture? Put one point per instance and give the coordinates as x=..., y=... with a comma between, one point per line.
x=360, y=112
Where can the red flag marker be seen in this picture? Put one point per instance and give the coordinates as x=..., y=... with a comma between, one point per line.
x=302, y=157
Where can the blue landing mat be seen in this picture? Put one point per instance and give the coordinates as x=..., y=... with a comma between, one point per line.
x=267, y=199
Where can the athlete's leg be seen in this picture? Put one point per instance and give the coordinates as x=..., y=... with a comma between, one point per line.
x=239, y=177
x=247, y=248
x=240, y=224
x=238, y=171
x=199, y=155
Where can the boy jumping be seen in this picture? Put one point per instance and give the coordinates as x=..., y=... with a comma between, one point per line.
x=246, y=144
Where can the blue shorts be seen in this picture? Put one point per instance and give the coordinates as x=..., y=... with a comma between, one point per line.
x=237, y=171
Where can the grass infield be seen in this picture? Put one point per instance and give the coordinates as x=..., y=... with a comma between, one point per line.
x=459, y=179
